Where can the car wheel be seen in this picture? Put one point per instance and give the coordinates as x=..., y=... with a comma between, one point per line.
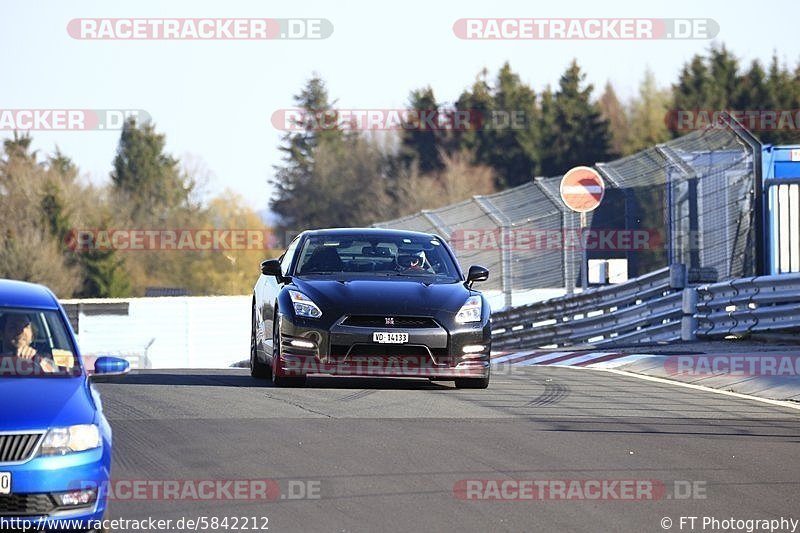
x=472, y=383
x=278, y=379
x=258, y=369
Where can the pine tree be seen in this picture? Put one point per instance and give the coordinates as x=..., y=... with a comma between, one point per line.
x=420, y=143
x=614, y=112
x=329, y=177
x=514, y=154
x=782, y=96
x=694, y=91
x=648, y=114
x=579, y=135
x=724, y=71
x=145, y=176
x=479, y=105
x=504, y=132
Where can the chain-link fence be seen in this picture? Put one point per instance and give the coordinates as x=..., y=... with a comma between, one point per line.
x=691, y=200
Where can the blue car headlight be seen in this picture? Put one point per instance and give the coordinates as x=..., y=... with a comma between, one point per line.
x=304, y=306
x=61, y=441
x=470, y=311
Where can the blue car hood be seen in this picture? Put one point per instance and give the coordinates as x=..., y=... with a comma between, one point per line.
x=41, y=403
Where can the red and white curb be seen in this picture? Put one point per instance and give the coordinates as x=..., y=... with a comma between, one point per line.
x=771, y=377
x=583, y=358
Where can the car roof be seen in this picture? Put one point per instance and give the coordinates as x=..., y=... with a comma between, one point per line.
x=23, y=294
x=337, y=232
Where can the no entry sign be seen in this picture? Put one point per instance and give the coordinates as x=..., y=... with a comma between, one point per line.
x=582, y=189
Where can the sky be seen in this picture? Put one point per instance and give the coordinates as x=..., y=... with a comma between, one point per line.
x=214, y=99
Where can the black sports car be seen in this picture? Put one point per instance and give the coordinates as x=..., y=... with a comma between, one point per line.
x=369, y=302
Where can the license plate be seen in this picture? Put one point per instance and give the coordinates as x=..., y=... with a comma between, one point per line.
x=5, y=482
x=389, y=337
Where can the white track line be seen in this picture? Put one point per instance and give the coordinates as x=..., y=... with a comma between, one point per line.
x=551, y=355
x=624, y=360
x=779, y=403
x=582, y=358
x=514, y=355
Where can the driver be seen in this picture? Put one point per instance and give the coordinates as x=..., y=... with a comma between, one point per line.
x=415, y=262
x=17, y=338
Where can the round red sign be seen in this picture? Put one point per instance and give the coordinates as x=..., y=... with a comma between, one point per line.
x=582, y=189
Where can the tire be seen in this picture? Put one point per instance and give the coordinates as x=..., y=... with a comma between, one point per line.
x=472, y=383
x=258, y=369
x=277, y=379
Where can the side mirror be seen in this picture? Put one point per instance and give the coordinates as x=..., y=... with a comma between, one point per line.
x=476, y=273
x=271, y=267
x=106, y=368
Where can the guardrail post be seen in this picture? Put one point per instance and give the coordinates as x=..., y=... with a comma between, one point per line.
x=678, y=276
x=689, y=309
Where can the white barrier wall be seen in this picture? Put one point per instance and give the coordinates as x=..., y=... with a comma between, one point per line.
x=168, y=332
x=188, y=331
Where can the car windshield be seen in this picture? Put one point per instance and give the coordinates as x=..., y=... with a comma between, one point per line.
x=377, y=256
x=35, y=343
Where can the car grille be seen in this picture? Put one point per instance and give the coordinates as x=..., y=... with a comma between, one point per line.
x=26, y=504
x=387, y=350
x=360, y=352
x=17, y=447
x=363, y=321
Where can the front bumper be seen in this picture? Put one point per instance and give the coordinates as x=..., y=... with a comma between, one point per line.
x=34, y=484
x=431, y=352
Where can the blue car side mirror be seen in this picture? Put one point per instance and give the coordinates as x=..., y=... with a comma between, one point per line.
x=109, y=367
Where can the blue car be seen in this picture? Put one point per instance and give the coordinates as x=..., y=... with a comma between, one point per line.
x=55, y=443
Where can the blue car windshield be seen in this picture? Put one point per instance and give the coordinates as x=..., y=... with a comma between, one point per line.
x=377, y=256
x=35, y=343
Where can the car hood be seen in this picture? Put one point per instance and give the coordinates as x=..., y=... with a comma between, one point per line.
x=386, y=296
x=41, y=403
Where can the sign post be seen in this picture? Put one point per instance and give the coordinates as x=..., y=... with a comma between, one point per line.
x=582, y=190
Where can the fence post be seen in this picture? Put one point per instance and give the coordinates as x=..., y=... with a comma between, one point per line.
x=506, y=259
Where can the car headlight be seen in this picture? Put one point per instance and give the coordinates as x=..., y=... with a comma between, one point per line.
x=60, y=441
x=304, y=306
x=470, y=311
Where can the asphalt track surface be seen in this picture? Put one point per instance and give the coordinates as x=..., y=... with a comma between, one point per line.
x=386, y=455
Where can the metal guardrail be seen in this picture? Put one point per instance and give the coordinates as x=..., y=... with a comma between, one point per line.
x=660, y=306
x=741, y=306
x=644, y=309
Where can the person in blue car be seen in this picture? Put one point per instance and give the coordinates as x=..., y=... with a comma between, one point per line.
x=17, y=339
